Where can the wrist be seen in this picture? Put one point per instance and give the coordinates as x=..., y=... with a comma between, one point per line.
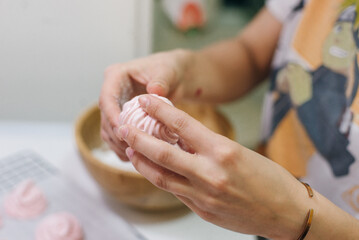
x=293, y=213
x=329, y=221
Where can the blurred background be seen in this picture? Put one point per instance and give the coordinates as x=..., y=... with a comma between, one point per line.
x=53, y=53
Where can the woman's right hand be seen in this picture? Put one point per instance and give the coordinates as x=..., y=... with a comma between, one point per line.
x=161, y=74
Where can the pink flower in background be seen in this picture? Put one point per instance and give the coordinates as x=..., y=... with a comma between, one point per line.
x=192, y=16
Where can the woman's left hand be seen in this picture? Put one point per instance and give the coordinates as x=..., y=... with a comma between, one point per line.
x=222, y=181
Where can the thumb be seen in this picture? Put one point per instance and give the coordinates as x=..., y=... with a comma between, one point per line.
x=159, y=87
x=163, y=83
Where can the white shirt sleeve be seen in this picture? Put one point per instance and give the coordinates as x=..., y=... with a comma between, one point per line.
x=281, y=9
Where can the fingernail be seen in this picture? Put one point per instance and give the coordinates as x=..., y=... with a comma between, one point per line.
x=123, y=132
x=144, y=101
x=160, y=84
x=129, y=152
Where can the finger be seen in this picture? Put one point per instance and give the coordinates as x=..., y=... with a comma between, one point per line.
x=163, y=83
x=110, y=131
x=158, y=151
x=203, y=214
x=159, y=176
x=182, y=144
x=104, y=136
x=119, y=148
x=119, y=152
x=109, y=101
x=190, y=130
x=106, y=139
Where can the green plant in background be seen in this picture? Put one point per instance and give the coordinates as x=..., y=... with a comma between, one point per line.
x=252, y=6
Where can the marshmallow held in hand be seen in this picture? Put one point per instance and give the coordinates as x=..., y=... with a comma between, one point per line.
x=133, y=114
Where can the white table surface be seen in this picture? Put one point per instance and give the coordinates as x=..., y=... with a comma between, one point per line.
x=55, y=142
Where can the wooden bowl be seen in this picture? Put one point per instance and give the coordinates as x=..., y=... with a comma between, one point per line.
x=130, y=187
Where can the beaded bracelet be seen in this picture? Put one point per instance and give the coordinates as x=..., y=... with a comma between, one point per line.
x=309, y=218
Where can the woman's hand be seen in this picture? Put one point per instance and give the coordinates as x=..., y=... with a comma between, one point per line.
x=160, y=74
x=223, y=182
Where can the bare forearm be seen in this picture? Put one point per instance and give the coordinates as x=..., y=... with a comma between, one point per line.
x=223, y=72
x=229, y=69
